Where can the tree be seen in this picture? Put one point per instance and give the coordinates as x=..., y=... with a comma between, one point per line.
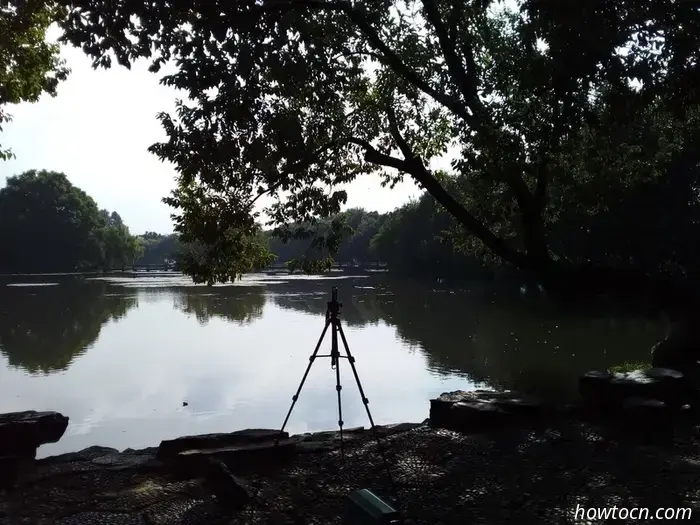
x=29, y=66
x=158, y=249
x=49, y=225
x=547, y=107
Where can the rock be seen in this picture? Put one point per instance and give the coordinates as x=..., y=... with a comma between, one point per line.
x=169, y=449
x=87, y=454
x=636, y=383
x=674, y=387
x=398, y=428
x=191, y=462
x=9, y=470
x=24, y=432
x=646, y=415
x=230, y=491
x=607, y=391
x=469, y=411
x=594, y=387
x=473, y=416
x=132, y=460
x=681, y=347
x=306, y=447
x=334, y=435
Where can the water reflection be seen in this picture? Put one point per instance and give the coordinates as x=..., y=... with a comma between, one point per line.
x=503, y=339
x=240, y=305
x=43, y=329
x=236, y=353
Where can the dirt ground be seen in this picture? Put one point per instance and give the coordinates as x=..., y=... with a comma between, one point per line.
x=514, y=476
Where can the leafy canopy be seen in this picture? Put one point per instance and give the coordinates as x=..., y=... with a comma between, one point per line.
x=29, y=66
x=547, y=108
x=49, y=225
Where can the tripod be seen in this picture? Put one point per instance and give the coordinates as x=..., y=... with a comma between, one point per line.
x=333, y=321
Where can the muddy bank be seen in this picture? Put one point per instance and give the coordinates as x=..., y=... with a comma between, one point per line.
x=525, y=474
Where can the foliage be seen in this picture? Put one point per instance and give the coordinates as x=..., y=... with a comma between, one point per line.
x=158, y=249
x=548, y=109
x=29, y=66
x=630, y=366
x=49, y=225
x=413, y=240
x=227, y=258
x=120, y=247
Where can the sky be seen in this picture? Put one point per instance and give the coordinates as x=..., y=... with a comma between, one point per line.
x=97, y=131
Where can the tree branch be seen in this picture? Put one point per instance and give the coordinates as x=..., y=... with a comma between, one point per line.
x=465, y=80
x=389, y=57
x=414, y=167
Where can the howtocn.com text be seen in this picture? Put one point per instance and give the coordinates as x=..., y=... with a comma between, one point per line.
x=624, y=513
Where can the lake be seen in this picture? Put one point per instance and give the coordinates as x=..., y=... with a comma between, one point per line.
x=134, y=360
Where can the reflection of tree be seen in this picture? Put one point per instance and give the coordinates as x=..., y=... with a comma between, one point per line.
x=361, y=306
x=238, y=304
x=505, y=340
x=43, y=329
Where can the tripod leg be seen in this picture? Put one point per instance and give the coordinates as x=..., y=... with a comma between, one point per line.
x=365, y=402
x=303, y=379
x=338, y=387
x=351, y=359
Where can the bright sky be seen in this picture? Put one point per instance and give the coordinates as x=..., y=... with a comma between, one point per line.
x=97, y=131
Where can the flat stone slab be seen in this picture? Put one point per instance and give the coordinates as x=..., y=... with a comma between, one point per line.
x=25, y=431
x=169, y=449
x=266, y=453
x=608, y=390
x=473, y=411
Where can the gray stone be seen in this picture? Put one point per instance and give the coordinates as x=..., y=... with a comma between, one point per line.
x=594, y=387
x=398, y=428
x=334, y=435
x=87, y=454
x=474, y=416
x=646, y=414
x=191, y=462
x=22, y=432
x=636, y=383
x=608, y=391
x=9, y=470
x=316, y=446
x=674, y=388
x=168, y=449
x=470, y=411
x=128, y=461
x=230, y=491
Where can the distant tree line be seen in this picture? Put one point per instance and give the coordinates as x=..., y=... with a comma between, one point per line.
x=159, y=250
x=49, y=225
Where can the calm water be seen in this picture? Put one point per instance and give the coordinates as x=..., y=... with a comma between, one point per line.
x=120, y=356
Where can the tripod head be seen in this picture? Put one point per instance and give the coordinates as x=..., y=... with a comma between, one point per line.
x=333, y=305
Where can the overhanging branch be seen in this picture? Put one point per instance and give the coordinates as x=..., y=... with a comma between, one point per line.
x=414, y=167
x=463, y=79
x=388, y=57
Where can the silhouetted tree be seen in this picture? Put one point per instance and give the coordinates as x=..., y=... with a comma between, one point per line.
x=49, y=225
x=547, y=109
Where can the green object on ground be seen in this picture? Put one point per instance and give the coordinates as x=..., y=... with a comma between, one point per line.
x=365, y=508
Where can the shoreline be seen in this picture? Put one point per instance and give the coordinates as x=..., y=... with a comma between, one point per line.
x=315, y=438
x=525, y=473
